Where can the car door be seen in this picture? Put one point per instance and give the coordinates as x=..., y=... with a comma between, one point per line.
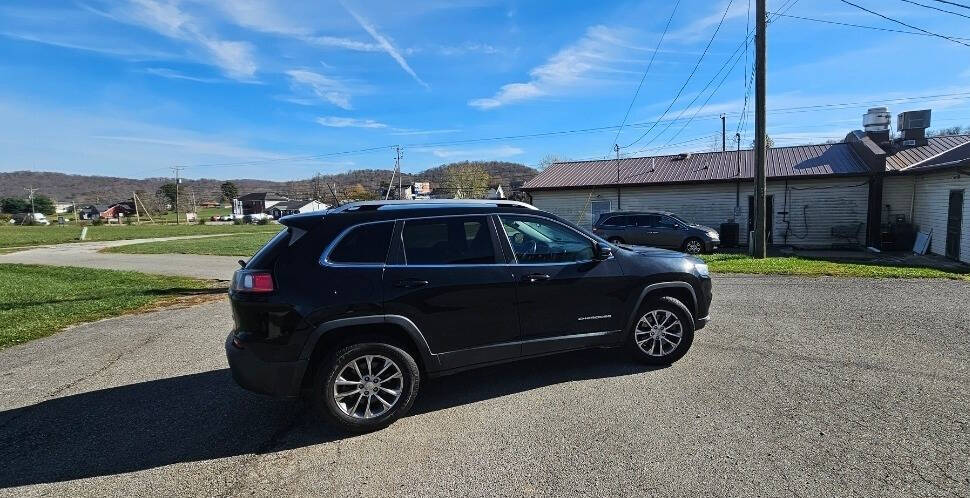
x=448, y=275
x=565, y=297
x=645, y=232
x=670, y=233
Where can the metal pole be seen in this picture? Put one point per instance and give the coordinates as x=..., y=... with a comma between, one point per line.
x=723, y=132
x=761, y=142
x=616, y=148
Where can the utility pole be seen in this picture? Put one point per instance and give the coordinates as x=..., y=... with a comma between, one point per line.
x=761, y=142
x=723, y=132
x=616, y=147
x=397, y=166
x=177, y=169
x=30, y=195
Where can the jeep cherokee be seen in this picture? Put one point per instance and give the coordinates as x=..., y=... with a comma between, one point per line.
x=353, y=307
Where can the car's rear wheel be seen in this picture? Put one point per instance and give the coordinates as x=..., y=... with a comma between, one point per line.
x=693, y=245
x=663, y=332
x=365, y=387
x=615, y=240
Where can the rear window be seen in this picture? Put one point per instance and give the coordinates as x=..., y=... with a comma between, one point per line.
x=448, y=241
x=363, y=244
x=265, y=255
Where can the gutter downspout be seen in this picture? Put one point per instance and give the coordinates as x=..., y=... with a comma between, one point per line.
x=912, y=203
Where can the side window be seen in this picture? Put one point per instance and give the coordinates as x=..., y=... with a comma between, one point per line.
x=648, y=220
x=668, y=222
x=537, y=240
x=464, y=240
x=363, y=244
x=618, y=221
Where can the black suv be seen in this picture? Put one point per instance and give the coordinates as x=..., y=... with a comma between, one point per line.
x=354, y=306
x=656, y=229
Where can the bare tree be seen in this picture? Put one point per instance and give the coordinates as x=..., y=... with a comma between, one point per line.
x=548, y=160
x=466, y=181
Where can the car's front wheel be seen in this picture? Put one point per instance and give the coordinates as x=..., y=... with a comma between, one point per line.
x=663, y=332
x=365, y=387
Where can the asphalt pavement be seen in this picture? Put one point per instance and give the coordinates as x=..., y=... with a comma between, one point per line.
x=85, y=254
x=799, y=386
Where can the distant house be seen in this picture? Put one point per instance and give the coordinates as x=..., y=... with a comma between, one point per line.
x=495, y=192
x=287, y=208
x=405, y=192
x=119, y=210
x=421, y=190
x=260, y=202
x=90, y=212
x=62, y=207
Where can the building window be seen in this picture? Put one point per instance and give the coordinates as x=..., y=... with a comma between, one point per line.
x=599, y=207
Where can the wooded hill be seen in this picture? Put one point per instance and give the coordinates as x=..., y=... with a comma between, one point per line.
x=105, y=189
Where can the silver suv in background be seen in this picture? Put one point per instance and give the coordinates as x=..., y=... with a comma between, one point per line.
x=656, y=229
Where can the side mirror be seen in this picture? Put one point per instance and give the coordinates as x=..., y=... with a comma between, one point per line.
x=603, y=252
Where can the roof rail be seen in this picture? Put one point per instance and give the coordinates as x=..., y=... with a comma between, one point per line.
x=428, y=203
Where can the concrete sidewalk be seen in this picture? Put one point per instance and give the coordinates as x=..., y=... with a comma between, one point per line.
x=85, y=254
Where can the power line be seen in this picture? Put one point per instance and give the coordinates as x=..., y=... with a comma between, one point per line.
x=954, y=40
x=690, y=76
x=875, y=28
x=286, y=159
x=936, y=8
x=644, y=77
x=953, y=3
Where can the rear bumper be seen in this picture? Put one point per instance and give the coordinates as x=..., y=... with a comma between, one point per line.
x=280, y=379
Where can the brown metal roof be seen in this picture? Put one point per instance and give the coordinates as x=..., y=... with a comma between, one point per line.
x=797, y=161
x=924, y=155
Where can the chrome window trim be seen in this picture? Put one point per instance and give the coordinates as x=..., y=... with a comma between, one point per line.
x=325, y=256
x=515, y=257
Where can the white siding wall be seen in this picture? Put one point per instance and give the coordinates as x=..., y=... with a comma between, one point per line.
x=824, y=203
x=932, y=204
x=897, y=193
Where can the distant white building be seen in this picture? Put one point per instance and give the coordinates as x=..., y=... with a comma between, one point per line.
x=287, y=208
x=495, y=192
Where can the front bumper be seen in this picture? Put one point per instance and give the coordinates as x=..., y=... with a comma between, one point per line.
x=280, y=379
x=711, y=245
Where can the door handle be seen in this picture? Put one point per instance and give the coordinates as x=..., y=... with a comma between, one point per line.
x=535, y=277
x=410, y=283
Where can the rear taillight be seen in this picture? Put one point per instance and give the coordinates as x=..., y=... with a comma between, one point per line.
x=252, y=281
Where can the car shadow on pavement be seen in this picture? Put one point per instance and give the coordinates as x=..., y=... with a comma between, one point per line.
x=206, y=416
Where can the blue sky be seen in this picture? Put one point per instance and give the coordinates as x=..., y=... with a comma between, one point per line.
x=129, y=88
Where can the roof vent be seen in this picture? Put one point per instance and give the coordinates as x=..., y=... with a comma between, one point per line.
x=682, y=157
x=913, y=125
x=876, y=124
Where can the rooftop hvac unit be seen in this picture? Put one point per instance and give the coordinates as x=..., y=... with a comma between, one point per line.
x=913, y=120
x=877, y=119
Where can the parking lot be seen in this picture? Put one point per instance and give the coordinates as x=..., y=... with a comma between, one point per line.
x=800, y=386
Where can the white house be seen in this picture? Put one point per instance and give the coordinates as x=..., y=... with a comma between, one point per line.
x=286, y=208
x=880, y=189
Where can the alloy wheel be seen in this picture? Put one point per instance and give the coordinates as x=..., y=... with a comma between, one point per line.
x=694, y=247
x=368, y=386
x=659, y=332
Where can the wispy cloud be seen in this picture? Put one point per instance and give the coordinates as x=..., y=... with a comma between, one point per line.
x=172, y=74
x=501, y=151
x=113, y=48
x=323, y=87
x=407, y=132
x=702, y=27
x=596, y=55
x=235, y=58
x=339, y=122
x=385, y=44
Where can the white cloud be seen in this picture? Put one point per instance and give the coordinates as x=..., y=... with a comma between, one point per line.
x=702, y=28
x=595, y=58
x=96, y=44
x=172, y=74
x=385, y=43
x=486, y=153
x=323, y=87
x=235, y=58
x=344, y=43
x=339, y=122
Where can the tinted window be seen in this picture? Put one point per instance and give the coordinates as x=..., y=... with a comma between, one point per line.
x=461, y=240
x=618, y=221
x=668, y=222
x=536, y=240
x=648, y=220
x=363, y=244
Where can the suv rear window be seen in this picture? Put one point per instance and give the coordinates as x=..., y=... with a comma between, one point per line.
x=462, y=240
x=364, y=244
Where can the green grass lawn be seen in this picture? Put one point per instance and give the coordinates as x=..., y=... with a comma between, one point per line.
x=741, y=263
x=16, y=236
x=37, y=301
x=243, y=245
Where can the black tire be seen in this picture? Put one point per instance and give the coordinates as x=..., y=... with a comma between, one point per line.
x=693, y=245
x=615, y=240
x=660, y=357
x=325, y=405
